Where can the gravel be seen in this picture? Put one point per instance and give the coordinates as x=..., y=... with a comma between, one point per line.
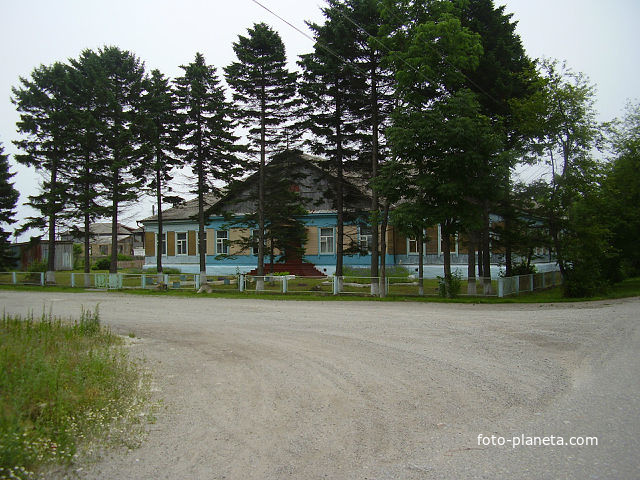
x=259, y=389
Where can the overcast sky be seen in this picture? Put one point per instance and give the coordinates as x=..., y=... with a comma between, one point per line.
x=598, y=38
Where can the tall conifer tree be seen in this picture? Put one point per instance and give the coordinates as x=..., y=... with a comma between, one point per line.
x=44, y=106
x=8, y=198
x=160, y=141
x=332, y=86
x=207, y=136
x=265, y=93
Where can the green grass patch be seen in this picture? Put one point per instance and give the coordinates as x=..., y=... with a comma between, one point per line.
x=317, y=290
x=66, y=387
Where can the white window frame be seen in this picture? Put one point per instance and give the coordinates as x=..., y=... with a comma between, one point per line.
x=222, y=244
x=415, y=240
x=182, y=244
x=331, y=251
x=365, y=240
x=455, y=242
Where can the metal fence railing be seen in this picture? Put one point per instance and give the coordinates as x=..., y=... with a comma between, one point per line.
x=289, y=284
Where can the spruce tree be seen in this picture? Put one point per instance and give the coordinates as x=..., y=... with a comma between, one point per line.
x=118, y=107
x=331, y=87
x=8, y=198
x=209, y=145
x=265, y=95
x=160, y=140
x=44, y=106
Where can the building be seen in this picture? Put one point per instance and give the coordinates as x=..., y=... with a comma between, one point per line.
x=129, y=239
x=224, y=255
x=36, y=250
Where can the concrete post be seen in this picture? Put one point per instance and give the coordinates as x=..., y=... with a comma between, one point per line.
x=73, y=280
x=14, y=278
x=531, y=282
x=42, y=279
x=241, y=282
x=285, y=284
x=501, y=287
x=196, y=281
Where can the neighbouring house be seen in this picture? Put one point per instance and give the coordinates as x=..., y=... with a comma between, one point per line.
x=129, y=239
x=36, y=250
x=225, y=256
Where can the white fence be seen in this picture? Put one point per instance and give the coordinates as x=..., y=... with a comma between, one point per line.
x=287, y=284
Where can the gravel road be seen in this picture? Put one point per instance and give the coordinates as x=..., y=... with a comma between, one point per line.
x=257, y=389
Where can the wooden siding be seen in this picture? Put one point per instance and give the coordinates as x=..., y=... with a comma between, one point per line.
x=432, y=241
x=191, y=242
x=311, y=248
x=400, y=245
x=149, y=244
x=235, y=235
x=211, y=241
x=350, y=236
x=171, y=243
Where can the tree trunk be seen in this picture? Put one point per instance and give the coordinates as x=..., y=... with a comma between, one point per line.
x=446, y=247
x=471, y=264
x=51, y=250
x=507, y=247
x=486, y=254
x=160, y=226
x=113, y=266
x=420, y=240
x=374, y=172
x=479, y=244
x=382, y=287
x=87, y=247
x=339, y=192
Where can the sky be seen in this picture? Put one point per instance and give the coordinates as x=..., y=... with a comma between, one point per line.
x=597, y=38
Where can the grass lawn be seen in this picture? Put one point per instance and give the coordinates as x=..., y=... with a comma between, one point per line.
x=321, y=289
x=66, y=386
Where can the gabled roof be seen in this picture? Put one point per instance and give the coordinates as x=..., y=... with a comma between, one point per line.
x=237, y=200
x=103, y=228
x=184, y=211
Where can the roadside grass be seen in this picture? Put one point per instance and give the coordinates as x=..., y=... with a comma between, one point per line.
x=68, y=389
x=627, y=288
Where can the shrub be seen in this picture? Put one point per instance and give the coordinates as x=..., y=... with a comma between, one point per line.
x=124, y=258
x=280, y=274
x=38, y=266
x=523, y=269
x=102, y=264
x=450, y=288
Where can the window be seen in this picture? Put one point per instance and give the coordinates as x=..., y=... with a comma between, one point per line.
x=222, y=244
x=413, y=245
x=104, y=249
x=181, y=243
x=365, y=238
x=326, y=240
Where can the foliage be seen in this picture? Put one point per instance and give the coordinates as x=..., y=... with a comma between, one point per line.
x=37, y=266
x=449, y=287
x=101, y=264
x=523, y=268
x=65, y=385
x=8, y=198
x=206, y=128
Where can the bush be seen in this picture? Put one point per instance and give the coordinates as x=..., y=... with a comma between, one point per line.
x=102, y=264
x=124, y=258
x=450, y=288
x=523, y=269
x=168, y=271
x=39, y=266
x=280, y=274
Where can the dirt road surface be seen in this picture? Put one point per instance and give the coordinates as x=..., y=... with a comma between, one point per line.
x=258, y=389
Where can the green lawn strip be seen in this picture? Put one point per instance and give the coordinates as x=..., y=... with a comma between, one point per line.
x=66, y=389
x=307, y=292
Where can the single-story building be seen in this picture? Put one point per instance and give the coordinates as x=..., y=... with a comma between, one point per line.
x=226, y=255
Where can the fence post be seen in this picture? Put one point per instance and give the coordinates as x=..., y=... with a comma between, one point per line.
x=531, y=282
x=14, y=277
x=241, y=282
x=543, y=279
x=500, y=287
x=336, y=286
x=73, y=280
x=166, y=280
x=284, y=284
x=516, y=287
x=42, y=279
x=196, y=281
